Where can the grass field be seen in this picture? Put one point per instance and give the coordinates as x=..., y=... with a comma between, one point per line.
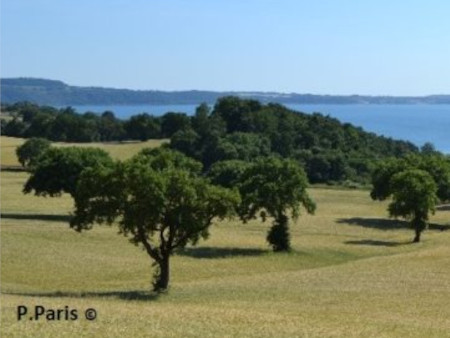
x=353, y=273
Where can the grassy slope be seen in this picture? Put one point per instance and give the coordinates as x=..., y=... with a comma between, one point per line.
x=351, y=275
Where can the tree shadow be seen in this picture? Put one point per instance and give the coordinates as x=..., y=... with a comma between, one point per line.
x=387, y=224
x=37, y=217
x=445, y=207
x=440, y=227
x=13, y=168
x=123, y=295
x=211, y=252
x=376, y=223
x=376, y=243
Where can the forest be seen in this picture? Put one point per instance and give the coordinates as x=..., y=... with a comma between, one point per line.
x=232, y=129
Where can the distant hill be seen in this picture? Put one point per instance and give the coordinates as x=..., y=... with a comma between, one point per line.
x=51, y=92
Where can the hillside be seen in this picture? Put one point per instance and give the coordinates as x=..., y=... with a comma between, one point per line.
x=353, y=273
x=51, y=92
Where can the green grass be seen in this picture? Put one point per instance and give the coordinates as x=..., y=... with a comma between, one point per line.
x=353, y=273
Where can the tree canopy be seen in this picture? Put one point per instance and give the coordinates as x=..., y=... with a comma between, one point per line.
x=58, y=169
x=241, y=129
x=28, y=153
x=159, y=200
x=435, y=164
x=414, y=198
x=233, y=129
x=416, y=183
x=278, y=187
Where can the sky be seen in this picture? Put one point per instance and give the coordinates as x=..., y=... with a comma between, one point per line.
x=340, y=47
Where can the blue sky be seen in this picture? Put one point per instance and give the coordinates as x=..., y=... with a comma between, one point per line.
x=323, y=47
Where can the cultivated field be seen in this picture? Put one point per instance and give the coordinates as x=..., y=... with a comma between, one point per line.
x=353, y=273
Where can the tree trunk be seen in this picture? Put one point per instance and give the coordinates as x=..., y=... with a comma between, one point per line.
x=162, y=277
x=419, y=224
x=417, y=237
x=278, y=235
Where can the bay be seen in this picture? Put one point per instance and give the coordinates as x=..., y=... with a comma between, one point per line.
x=419, y=123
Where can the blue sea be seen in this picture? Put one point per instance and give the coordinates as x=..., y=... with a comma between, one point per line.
x=417, y=123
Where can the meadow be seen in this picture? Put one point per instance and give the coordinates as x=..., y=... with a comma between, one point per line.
x=353, y=273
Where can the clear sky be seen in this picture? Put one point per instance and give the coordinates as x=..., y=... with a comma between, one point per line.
x=372, y=47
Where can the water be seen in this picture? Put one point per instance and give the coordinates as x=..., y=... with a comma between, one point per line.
x=416, y=123
x=125, y=111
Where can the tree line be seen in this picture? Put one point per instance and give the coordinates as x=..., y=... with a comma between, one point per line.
x=233, y=129
x=66, y=125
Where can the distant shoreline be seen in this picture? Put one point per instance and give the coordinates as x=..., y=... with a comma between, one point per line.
x=58, y=93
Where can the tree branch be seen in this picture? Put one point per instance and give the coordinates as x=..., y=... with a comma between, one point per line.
x=189, y=234
x=151, y=251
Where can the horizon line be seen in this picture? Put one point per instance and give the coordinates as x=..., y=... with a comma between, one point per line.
x=223, y=91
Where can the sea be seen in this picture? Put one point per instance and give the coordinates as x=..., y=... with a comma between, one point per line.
x=417, y=123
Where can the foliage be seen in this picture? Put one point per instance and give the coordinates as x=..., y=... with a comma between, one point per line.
x=381, y=177
x=160, y=201
x=66, y=125
x=110, y=128
x=187, y=141
x=434, y=164
x=142, y=127
x=275, y=186
x=28, y=153
x=58, y=170
x=416, y=182
x=228, y=173
x=173, y=122
x=413, y=197
x=14, y=127
x=234, y=129
x=245, y=129
x=428, y=148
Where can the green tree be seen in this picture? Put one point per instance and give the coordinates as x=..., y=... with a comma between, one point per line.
x=158, y=198
x=413, y=197
x=110, y=128
x=142, y=127
x=186, y=141
x=275, y=186
x=40, y=125
x=28, y=153
x=69, y=126
x=428, y=148
x=58, y=169
x=227, y=174
x=200, y=121
x=14, y=127
x=233, y=111
x=381, y=177
x=173, y=122
x=434, y=164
